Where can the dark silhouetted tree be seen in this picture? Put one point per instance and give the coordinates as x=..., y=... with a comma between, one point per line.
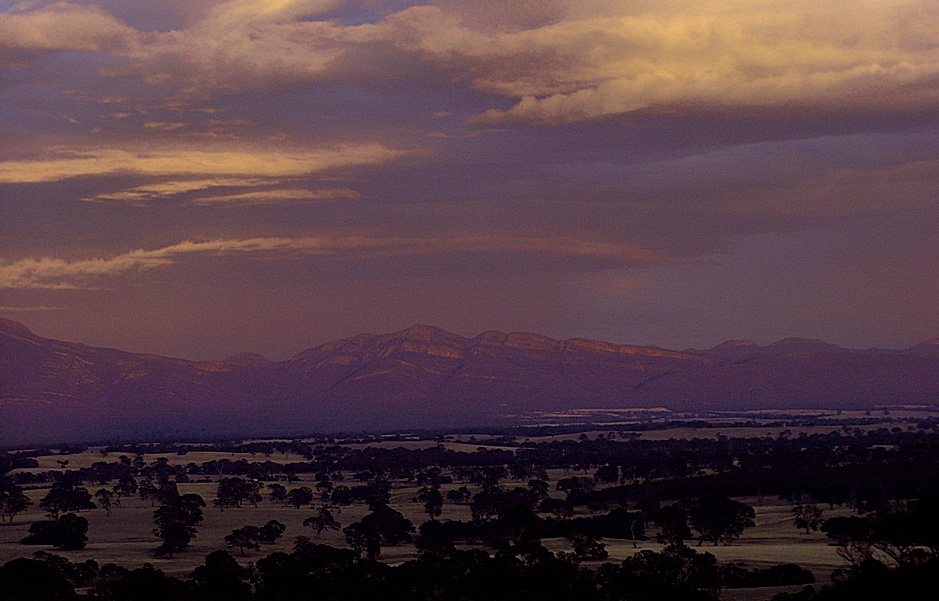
x=247, y=537
x=31, y=580
x=12, y=500
x=65, y=497
x=298, y=497
x=718, y=518
x=176, y=523
x=808, y=516
x=432, y=500
x=221, y=578
x=323, y=520
x=104, y=497
x=68, y=532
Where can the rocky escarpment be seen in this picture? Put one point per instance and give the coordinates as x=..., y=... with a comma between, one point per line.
x=425, y=376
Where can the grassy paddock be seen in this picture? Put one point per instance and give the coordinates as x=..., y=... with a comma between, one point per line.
x=125, y=537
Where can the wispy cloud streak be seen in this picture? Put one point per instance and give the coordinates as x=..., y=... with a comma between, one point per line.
x=61, y=274
x=66, y=164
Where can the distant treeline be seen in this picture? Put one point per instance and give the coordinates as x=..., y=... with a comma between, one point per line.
x=847, y=467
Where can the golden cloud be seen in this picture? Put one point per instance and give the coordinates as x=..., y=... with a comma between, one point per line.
x=283, y=196
x=198, y=164
x=876, y=54
x=562, y=60
x=59, y=274
x=65, y=26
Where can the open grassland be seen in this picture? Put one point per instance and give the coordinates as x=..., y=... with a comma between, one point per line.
x=125, y=537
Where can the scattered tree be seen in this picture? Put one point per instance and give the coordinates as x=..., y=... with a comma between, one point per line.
x=271, y=531
x=718, y=518
x=232, y=492
x=12, y=500
x=278, y=493
x=323, y=520
x=588, y=547
x=248, y=537
x=301, y=496
x=808, y=516
x=432, y=500
x=68, y=532
x=176, y=523
x=104, y=497
x=65, y=497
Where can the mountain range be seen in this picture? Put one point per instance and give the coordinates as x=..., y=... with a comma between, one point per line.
x=426, y=377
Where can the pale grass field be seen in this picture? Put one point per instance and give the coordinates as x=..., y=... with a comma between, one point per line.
x=125, y=536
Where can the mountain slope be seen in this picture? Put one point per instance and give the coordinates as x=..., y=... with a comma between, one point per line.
x=425, y=376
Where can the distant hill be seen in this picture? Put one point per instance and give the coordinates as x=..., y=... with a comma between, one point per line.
x=425, y=376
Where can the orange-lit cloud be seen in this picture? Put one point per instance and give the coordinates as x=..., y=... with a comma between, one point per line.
x=208, y=192
x=282, y=196
x=62, y=274
x=65, y=164
x=64, y=26
x=562, y=61
x=597, y=59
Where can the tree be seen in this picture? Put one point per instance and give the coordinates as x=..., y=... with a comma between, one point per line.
x=538, y=487
x=606, y=474
x=117, y=583
x=104, y=499
x=673, y=524
x=31, y=580
x=271, y=531
x=248, y=537
x=221, y=579
x=807, y=516
x=125, y=487
x=278, y=493
x=459, y=495
x=561, y=508
x=232, y=492
x=68, y=532
x=12, y=500
x=176, y=523
x=65, y=497
x=79, y=574
x=718, y=518
x=300, y=496
x=363, y=539
x=325, y=488
x=432, y=500
x=390, y=524
x=251, y=537
x=383, y=526
x=434, y=540
x=588, y=547
x=323, y=520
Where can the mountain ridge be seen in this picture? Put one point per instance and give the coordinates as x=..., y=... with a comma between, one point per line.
x=424, y=376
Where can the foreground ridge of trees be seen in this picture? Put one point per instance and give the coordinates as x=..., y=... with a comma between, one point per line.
x=525, y=571
x=320, y=572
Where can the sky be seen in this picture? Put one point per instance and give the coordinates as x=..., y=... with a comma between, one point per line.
x=198, y=178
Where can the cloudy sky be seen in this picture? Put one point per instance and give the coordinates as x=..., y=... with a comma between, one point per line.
x=198, y=178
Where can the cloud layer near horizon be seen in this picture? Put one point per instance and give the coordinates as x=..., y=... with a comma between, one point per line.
x=454, y=159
